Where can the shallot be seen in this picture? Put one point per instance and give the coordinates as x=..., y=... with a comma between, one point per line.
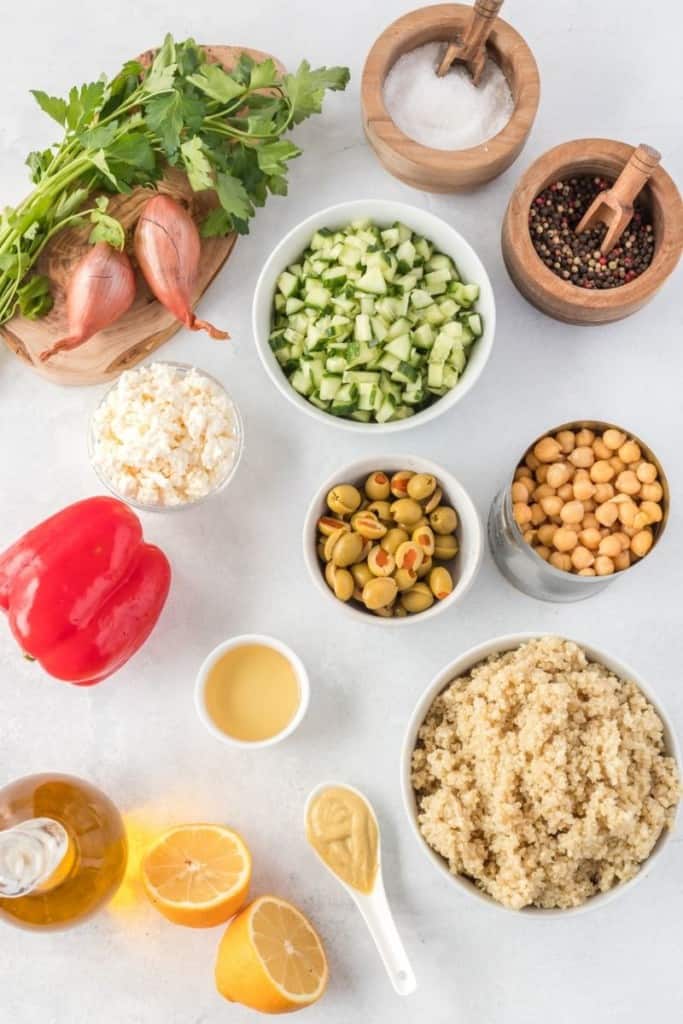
x=168, y=248
x=101, y=289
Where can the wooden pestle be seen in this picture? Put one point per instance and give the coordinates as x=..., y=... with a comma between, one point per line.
x=471, y=50
x=614, y=206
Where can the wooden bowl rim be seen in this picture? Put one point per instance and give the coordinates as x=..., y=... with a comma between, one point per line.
x=552, y=163
x=505, y=38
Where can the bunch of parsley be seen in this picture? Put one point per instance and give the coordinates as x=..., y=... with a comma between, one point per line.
x=224, y=130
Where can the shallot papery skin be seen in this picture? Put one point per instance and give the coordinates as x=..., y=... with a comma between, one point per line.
x=168, y=249
x=101, y=289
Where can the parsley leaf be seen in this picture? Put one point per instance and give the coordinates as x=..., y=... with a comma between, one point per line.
x=273, y=155
x=197, y=164
x=212, y=80
x=233, y=197
x=51, y=105
x=34, y=297
x=306, y=89
x=107, y=228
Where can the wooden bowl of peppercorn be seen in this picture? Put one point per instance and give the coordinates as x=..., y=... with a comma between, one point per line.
x=564, y=274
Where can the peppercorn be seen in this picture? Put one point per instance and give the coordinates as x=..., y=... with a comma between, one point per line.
x=553, y=217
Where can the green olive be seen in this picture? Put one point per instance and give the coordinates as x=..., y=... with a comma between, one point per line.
x=348, y=549
x=409, y=556
x=379, y=592
x=424, y=538
x=443, y=520
x=400, y=613
x=440, y=582
x=418, y=599
x=330, y=543
x=393, y=540
x=384, y=613
x=344, y=499
x=329, y=525
x=380, y=562
x=340, y=581
x=368, y=526
x=377, y=486
x=381, y=509
x=361, y=573
x=434, y=501
x=405, y=579
x=421, y=486
x=320, y=548
x=406, y=511
x=399, y=483
x=445, y=547
x=425, y=568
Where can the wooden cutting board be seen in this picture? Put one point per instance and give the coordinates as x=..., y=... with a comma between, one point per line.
x=147, y=324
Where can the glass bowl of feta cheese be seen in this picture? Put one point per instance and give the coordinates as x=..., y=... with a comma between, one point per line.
x=165, y=436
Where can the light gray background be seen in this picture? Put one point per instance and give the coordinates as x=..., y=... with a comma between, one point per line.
x=607, y=69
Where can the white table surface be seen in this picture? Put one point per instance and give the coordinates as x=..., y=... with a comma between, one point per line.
x=238, y=565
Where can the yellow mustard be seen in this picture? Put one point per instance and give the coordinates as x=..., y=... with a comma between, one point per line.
x=342, y=829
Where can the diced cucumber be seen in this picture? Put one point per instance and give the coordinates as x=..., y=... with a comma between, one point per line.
x=399, y=347
x=288, y=284
x=329, y=386
x=372, y=281
x=362, y=330
x=386, y=409
x=474, y=324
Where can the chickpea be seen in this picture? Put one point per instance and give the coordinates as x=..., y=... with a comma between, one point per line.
x=601, y=471
x=566, y=440
x=627, y=513
x=582, y=457
x=520, y=493
x=651, y=492
x=424, y=537
x=629, y=452
x=409, y=556
x=646, y=472
x=641, y=543
x=586, y=572
x=584, y=490
x=589, y=522
x=627, y=482
x=328, y=525
x=393, y=539
x=610, y=546
x=529, y=536
x=581, y=474
x=622, y=561
x=581, y=557
x=566, y=492
x=559, y=473
x=543, y=491
x=652, y=510
x=613, y=439
x=378, y=487
x=421, y=486
x=537, y=515
x=606, y=514
x=361, y=574
x=399, y=483
x=572, y=512
x=543, y=552
x=418, y=599
x=565, y=539
x=348, y=549
x=542, y=473
x=590, y=538
x=344, y=499
x=561, y=561
x=546, y=450
x=546, y=533
x=405, y=579
x=617, y=465
x=445, y=548
x=601, y=450
x=380, y=562
x=440, y=583
x=379, y=592
x=522, y=473
x=531, y=461
x=604, y=566
x=551, y=506
x=589, y=506
x=584, y=437
x=444, y=520
x=603, y=492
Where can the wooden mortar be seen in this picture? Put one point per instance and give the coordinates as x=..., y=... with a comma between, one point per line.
x=441, y=170
x=561, y=299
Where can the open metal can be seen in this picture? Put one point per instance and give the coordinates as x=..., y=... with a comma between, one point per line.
x=519, y=562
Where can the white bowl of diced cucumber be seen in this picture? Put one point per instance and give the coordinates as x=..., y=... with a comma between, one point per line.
x=374, y=315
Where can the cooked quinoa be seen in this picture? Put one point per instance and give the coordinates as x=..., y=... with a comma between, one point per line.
x=542, y=777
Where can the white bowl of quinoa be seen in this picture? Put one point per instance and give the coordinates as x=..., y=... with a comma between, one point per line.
x=540, y=774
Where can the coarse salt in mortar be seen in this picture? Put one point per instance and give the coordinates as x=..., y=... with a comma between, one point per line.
x=450, y=112
x=165, y=435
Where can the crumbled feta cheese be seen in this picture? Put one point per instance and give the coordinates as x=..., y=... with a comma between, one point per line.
x=164, y=435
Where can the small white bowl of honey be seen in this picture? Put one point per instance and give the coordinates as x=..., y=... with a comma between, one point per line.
x=252, y=691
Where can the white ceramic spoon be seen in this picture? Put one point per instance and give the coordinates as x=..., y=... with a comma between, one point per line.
x=374, y=906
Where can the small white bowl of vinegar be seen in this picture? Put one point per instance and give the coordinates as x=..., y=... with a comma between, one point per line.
x=252, y=691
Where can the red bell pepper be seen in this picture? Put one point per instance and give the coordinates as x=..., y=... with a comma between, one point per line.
x=83, y=591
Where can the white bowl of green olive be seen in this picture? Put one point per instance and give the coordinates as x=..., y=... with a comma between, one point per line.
x=392, y=539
